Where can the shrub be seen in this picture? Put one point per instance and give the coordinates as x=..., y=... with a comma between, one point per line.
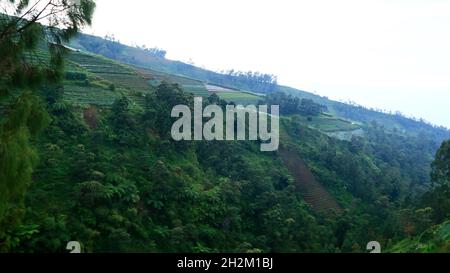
x=75, y=76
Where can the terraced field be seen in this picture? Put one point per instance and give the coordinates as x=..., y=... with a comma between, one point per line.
x=144, y=80
x=197, y=90
x=128, y=81
x=239, y=97
x=150, y=74
x=312, y=190
x=111, y=71
x=154, y=78
x=332, y=124
x=346, y=135
x=80, y=95
x=218, y=89
x=132, y=81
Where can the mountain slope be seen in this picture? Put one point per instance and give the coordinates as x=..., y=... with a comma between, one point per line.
x=143, y=58
x=312, y=190
x=111, y=176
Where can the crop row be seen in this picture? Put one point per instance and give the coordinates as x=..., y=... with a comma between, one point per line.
x=161, y=76
x=80, y=95
x=239, y=97
x=197, y=90
x=128, y=81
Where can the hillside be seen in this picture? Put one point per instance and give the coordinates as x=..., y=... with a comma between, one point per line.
x=142, y=58
x=110, y=176
x=434, y=239
x=312, y=190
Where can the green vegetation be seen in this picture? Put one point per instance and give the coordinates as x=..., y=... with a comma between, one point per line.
x=154, y=78
x=113, y=179
x=331, y=124
x=434, y=240
x=23, y=71
x=154, y=59
x=437, y=203
x=109, y=71
x=290, y=105
x=239, y=97
x=86, y=154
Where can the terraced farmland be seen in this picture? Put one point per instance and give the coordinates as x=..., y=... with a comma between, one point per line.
x=239, y=97
x=106, y=69
x=88, y=60
x=133, y=81
x=130, y=81
x=219, y=89
x=189, y=85
x=42, y=56
x=115, y=73
x=329, y=124
x=143, y=80
x=197, y=90
x=346, y=135
x=80, y=95
x=150, y=74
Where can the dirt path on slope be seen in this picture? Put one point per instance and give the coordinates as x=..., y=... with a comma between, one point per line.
x=312, y=190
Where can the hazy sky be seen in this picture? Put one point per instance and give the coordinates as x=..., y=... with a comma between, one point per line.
x=390, y=54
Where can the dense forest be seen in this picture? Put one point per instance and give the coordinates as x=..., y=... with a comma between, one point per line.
x=86, y=155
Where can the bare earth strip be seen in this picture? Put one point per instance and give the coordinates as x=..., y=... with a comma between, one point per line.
x=312, y=190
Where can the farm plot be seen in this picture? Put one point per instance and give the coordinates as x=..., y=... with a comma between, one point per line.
x=80, y=95
x=332, y=124
x=346, y=135
x=218, y=89
x=87, y=60
x=157, y=76
x=198, y=90
x=129, y=81
x=107, y=69
x=115, y=73
x=41, y=56
x=239, y=97
x=154, y=78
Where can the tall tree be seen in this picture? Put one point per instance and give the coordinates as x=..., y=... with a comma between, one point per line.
x=438, y=198
x=441, y=165
x=27, y=26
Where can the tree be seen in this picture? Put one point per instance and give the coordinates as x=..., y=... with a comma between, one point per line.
x=441, y=165
x=265, y=83
x=27, y=26
x=22, y=31
x=291, y=105
x=438, y=199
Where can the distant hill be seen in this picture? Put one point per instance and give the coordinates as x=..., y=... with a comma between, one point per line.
x=155, y=60
x=147, y=58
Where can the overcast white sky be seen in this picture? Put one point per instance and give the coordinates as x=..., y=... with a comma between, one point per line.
x=390, y=54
